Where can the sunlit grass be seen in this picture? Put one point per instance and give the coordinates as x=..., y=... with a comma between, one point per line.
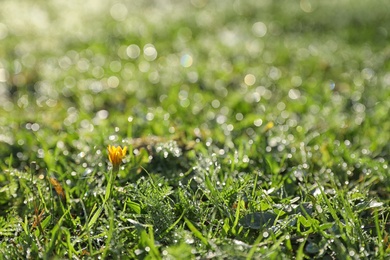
x=234, y=130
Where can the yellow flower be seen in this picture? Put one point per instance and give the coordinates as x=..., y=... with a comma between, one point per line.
x=116, y=154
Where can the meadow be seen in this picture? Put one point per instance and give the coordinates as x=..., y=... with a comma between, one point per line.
x=250, y=129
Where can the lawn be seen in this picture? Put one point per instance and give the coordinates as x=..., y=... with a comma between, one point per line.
x=250, y=129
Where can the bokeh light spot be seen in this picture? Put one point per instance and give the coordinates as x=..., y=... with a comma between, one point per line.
x=192, y=76
x=250, y=79
x=83, y=65
x=294, y=94
x=149, y=116
x=239, y=116
x=118, y=12
x=113, y=82
x=98, y=72
x=296, y=81
x=133, y=51
x=215, y=103
x=274, y=73
x=306, y=6
x=258, y=122
x=102, y=114
x=186, y=60
x=115, y=66
x=259, y=29
x=144, y=66
x=150, y=52
x=281, y=106
x=35, y=127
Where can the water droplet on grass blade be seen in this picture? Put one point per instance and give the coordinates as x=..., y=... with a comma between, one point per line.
x=312, y=248
x=375, y=204
x=294, y=199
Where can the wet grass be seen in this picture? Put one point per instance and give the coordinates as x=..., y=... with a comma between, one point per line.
x=254, y=130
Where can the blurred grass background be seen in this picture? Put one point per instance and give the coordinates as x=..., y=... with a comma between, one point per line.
x=169, y=66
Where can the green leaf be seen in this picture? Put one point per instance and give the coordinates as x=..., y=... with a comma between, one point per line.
x=196, y=232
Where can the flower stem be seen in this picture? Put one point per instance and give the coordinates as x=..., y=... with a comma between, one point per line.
x=110, y=183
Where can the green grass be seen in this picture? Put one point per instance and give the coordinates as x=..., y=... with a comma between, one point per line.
x=255, y=129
